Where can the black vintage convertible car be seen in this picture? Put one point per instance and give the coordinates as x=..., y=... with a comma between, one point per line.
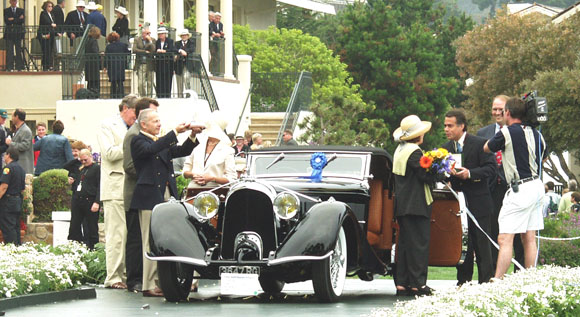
x=283, y=225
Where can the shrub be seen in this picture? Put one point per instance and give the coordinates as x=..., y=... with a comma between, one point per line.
x=561, y=252
x=51, y=191
x=182, y=183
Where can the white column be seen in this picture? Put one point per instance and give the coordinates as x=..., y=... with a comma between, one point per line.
x=202, y=26
x=177, y=15
x=109, y=13
x=150, y=15
x=133, y=7
x=228, y=21
x=245, y=78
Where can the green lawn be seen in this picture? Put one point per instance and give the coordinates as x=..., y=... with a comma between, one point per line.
x=448, y=273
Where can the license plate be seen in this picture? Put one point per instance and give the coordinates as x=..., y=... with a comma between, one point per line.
x=240, y=270
x=239, y=284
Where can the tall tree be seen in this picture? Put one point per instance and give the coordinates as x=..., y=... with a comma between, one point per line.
x=397, y=65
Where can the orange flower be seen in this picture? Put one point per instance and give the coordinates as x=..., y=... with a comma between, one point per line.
x=425, y=162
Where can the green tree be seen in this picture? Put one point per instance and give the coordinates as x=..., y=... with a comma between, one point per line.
x=338, y=120
x=398, y=67
x=189, y=23
x=291, y=51
x=511, y=55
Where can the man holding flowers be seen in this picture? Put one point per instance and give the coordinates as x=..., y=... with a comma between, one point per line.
x=472, y=178
x=412, y=207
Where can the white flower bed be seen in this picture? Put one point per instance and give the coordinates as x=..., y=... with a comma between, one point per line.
x=33, y=268
x=542, y=291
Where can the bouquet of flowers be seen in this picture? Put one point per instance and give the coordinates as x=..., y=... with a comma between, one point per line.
x=437, y=161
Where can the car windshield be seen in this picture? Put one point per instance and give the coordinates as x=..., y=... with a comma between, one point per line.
x=298, y=164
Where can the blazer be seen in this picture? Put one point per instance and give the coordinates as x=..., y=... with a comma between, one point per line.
x=410, y=189
x=220, y=163
x=58, y=15
x=93, y=64
x=91, y=177
x=215, y=28
x=73, y=20
x=121, y=26
x=55, y=152
x=97, y=19
x=154, y=167
x=22, y=142
x=488, y=132
x=184, y=61
x=482, y=167
x=3, y=134
x=45, y=25
x=144, y=51
x=110, y=139
x=128, y=166
x=14, y=29
x=117, y=62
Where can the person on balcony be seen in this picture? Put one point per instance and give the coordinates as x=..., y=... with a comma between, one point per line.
x=121, y=25
x=96, y=17
x=216, y=34
x=116, y=63
x=76, y=20
x=164, y=63
x=58, y=14
x=144, y=48
x=184, y=65
x=13, y=35
x=93, y=61
x=46, y=34
x=55, y=150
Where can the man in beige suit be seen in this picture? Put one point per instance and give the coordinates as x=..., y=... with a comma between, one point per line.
x=144, y=47
x=110, y=139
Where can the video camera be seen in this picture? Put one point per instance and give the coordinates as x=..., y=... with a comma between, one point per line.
x=536, y=109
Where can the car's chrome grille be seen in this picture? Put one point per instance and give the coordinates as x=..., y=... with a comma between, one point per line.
x=248, y=210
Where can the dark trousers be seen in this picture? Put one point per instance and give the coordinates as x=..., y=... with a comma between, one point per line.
x=14, y=54
x=133, y=250
x=413, y=251
x=10, y=209
x=83, y=217
x=94, y=86
x=477, y=242
x=47, y=46
x=163, y=80
x=117, y=89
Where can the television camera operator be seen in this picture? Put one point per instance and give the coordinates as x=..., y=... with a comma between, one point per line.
x=523, y=149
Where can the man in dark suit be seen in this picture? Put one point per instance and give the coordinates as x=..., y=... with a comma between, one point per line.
x=184, y=65
x=477, y=167
x=58, y=15
x=133, y=248
x=13, y=35
x=164, y=63
x=498, y=186
x=152, y=158
x=76, y=21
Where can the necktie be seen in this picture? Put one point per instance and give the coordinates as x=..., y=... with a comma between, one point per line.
x=82, y=17
x=498, y=157
x=14, y=11
x=458, y=147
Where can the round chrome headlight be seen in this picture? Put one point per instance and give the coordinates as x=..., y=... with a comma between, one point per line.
x=286, y=205
x=206, y=205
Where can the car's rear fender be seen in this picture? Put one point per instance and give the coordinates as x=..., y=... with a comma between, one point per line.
x=316, y=234
x=173, y=232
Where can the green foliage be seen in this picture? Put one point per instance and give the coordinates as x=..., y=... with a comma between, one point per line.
x=51, y=192
x=189, y=23
x=334, y=119
x=393, y=55
x=291, y=51
x=96, y=265
x=182, y=183
x=561, y=253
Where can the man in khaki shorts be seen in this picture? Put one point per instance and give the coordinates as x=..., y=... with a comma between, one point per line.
x=523, y=149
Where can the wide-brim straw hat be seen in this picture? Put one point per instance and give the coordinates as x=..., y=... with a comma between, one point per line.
x=91, y=6
x=161, y=30
x=122, y=10
x=184, y=32
x=411, y=127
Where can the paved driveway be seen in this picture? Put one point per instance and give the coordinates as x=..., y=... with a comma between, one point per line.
x=359, y=298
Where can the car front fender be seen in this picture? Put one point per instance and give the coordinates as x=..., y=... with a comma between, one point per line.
x=173, y=234
x=315, y=236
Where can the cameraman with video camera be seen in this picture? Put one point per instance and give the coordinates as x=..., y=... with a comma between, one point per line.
x=523, y=149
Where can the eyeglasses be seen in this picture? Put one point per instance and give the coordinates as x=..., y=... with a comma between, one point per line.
x=84, y=161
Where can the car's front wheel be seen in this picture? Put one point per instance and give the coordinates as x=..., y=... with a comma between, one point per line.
x=271, y=286
x=175, y=280
x=328, y=275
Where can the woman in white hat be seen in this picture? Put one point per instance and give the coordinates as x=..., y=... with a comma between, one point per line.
x=121, y=26
x=412, y=208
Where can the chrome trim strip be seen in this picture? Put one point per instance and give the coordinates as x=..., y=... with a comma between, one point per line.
x=298, y=258
x=181, y=259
